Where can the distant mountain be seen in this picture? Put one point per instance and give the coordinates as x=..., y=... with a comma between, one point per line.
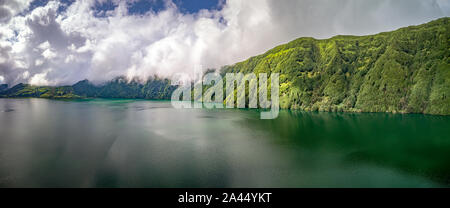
x=154, y=88
x=26, y=90
x=3, y=87
x=405, y=71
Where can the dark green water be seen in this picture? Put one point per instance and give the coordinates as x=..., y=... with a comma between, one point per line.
x=126, y=143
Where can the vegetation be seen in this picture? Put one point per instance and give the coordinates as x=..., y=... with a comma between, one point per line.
x=404, y=71
x=3, y=87
x=25, y=90
x=153, y=88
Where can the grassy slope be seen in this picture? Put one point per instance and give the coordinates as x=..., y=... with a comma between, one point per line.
x=407, y=71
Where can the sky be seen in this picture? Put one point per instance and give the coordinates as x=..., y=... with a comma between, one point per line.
x=62, y=42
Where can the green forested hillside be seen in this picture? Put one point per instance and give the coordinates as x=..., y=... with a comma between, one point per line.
x=404, y=71
x=407, y=70
x=154, y=88
x=26, y=90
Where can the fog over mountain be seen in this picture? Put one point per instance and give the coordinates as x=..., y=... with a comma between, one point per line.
x=63, y=42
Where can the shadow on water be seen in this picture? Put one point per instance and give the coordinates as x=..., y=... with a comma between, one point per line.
x=138, y=143
x=412, y=143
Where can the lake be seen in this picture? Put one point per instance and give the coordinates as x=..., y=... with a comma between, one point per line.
x=140, y=143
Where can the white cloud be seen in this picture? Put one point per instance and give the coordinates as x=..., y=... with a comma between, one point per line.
x=25, y=75
x=38, y=62
x=69, y=58
x=49, y=54
x=76, y=44
x=40, y=79
x=44, y=46
x=10, y=8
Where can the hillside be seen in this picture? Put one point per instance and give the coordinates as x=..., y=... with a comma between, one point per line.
x=154, y=88
x=403, y=71
x=407, y=70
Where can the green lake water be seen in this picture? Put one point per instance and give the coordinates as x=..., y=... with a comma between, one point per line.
x=139, y=143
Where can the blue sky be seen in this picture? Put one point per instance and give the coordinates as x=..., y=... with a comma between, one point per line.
x=143, y=6
x=38, y=3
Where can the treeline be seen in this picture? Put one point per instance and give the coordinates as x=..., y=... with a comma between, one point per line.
x=154, y=88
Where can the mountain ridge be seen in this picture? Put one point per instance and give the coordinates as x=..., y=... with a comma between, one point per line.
x=402, y=71
x=405, y=71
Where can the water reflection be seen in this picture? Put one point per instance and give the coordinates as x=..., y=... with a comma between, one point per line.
x=135, y=143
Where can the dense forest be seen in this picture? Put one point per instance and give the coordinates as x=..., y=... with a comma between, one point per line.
x=154, y=88
x=407, y=71
x=403, y=71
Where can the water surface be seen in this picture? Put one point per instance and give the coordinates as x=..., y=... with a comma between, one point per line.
x=138, y=143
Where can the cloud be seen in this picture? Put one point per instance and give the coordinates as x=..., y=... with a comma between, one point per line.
x=57, y=44
x=10, y=8
x=40, y=79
